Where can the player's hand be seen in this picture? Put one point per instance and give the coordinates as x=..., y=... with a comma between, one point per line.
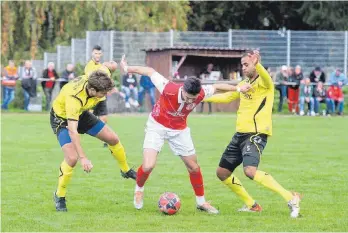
x=245, y=88
x=255, y=57
x=86, y=164
x=123, y=64
x=111, y=65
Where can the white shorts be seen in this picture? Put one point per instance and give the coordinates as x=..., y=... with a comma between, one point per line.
x=180, y=141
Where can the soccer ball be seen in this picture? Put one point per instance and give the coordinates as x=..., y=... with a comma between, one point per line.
x=169, y=203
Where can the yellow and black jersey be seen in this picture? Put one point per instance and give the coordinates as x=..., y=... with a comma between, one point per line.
x=255, y=110
x=93, y=66
x=73, y=99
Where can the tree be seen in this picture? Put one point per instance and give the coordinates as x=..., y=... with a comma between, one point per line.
x=29, y=28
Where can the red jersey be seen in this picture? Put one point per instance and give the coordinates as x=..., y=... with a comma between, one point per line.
x=170, y=110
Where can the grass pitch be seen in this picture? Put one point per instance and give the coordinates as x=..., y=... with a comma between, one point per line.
x=306, y=154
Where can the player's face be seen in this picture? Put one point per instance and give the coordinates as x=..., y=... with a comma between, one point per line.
x=96, y=55
x=247, y=67
x=99, y=94
x=188, y=98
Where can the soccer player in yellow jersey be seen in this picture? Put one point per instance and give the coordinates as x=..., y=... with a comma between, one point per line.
x=70, y=117
x=254, y=125
x=94, y=64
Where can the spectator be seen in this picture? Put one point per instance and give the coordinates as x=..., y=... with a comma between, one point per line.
x=51, y=75
x=306, y=96
x=317, y=75
x=337, y=77
x=206, y=72
x=28, y=77
x=335, y=99
x=319, y=97
x=281, y=79
x=9, y=84
x=293, y=90
x=67, y=75
x=129, y=87
x=146, y=86
x=205, y=75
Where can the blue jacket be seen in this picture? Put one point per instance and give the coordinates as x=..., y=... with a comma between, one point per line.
x=335, y=79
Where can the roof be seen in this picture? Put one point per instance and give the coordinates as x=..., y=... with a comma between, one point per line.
x=196, y=48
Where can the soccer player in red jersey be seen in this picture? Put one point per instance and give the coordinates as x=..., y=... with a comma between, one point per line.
x=167, y=121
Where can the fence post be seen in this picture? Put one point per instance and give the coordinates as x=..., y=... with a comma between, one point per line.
x=58, y=58
x=171, y=34
x=45, y=60
x=111, y=45
x=230, y=38
x=72, y=51
x=288, y=44
x=87, y=46
x=345, y=52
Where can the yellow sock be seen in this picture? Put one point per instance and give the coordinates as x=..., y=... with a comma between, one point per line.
x=65, y=174
x=236, y=186
x=267, y=180
x=120, y=155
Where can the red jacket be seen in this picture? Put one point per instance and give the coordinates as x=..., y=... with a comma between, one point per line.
x=335, y=93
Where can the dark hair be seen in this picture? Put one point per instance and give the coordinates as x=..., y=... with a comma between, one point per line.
x=100, y=81
x=192, y=85
x=97, y=47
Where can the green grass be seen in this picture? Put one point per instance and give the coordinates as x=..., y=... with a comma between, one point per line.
x=305, y=154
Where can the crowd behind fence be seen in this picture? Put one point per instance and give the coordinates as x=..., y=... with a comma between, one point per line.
x=309, y=49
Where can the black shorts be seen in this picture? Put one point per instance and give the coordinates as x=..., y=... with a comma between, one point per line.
x=100, y=109
x=244, y=147
x=86, y=122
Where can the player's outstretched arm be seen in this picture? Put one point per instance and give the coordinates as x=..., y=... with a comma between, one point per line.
x=226, y=97
x=262, y=72
x=227, y=87
x=158, y=80
x=75, y=139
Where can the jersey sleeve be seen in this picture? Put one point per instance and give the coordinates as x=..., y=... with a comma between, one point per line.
x=208, y=91
x=266, y=79
x=226, y=97
x=73, y=106
x=87, y=68
x=159, y=81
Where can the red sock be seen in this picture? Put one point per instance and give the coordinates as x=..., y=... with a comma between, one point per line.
x=196, y=179
x=142, y=176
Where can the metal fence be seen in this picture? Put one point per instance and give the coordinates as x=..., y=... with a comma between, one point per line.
x=78, y=51
x=327, y=49
x=63, y=57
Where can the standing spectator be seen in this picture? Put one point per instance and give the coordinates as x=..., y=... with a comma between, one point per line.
x=67, y=75
x=146, y=86
x=306, y=96
x=319, y=97
x=335, y=99
x=317, y=75
x=281, y=78
x=130, y=89
x=51, y=75
x=28, y=77
x=204, y=75
x=9, y=84
x=293, y=90
x=337, y=77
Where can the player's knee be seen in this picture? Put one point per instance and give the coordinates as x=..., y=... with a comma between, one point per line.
x=250, y=172
x=222, y=173
x=113, y=140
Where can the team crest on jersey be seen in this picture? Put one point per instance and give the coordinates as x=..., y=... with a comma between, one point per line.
x=191, y=106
